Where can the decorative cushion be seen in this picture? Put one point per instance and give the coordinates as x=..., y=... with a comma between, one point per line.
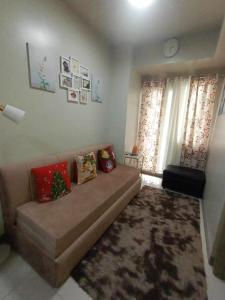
x=106, y=159
x=51, y=182
x=86, y=167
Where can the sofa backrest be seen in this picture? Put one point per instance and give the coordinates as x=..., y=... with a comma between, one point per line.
x=16, y=186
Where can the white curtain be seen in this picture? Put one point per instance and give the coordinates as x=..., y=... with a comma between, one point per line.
x=172, y=129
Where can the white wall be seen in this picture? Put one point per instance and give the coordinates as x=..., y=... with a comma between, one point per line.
x=149, y=59
x=192, y=47
x=214, y=196
x=122, y=62
x=132, y=110
x=51, y=124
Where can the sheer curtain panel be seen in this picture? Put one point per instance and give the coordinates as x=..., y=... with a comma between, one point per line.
x=173, y=122
x=149, y=122
x=199, y=121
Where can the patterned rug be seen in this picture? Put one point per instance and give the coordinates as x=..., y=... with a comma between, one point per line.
x=152, y=251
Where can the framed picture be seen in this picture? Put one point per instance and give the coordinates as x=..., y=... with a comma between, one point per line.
x=74, y=65
x=96, y=89
x=73, y=95
x=77, y=82
x=84, y=72
x=65, y=81
x=86, y=84
x=65, y=65
x=42, y=69
x=84, y=96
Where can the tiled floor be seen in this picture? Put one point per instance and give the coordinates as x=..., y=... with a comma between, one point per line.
x=18, y=281
x=152, y=181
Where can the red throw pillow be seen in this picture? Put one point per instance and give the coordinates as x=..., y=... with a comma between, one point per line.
x=51, y=182
x=106, y=159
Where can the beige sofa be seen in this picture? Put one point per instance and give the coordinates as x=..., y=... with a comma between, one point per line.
x=54, y=236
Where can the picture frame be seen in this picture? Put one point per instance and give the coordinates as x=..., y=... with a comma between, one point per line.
x=41, y=68
x=74, y=66
x=84, y=72
x=86, y=84
x=65, y=65
x=77, y=85
x=66, y=81
x=73, y=96
x=84, y=96
x=96, y=89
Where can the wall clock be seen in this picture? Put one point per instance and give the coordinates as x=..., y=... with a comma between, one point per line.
x=170, y=47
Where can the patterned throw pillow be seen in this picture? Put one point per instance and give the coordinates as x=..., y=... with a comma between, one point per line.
x=106, y=159
x=51, y=182
x=86, y=167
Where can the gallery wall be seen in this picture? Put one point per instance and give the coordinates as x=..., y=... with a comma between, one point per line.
x=51, y=124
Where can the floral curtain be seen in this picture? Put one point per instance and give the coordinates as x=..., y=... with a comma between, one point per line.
x=149, y=122
x=199, y=120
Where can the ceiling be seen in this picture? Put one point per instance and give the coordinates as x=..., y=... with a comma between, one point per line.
x=119, y=22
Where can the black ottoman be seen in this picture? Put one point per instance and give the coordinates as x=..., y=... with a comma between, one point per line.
x=184, y=180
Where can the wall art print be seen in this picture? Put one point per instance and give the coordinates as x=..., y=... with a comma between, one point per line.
x=66, y=81
x=73, y=96
x=42, y=68
x=84, y=72
x=74, y=65
x=96, y=84
x=65, y=65
x=86, y=84
x=84, y=96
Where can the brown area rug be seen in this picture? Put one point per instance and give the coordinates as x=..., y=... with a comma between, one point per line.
x=152, y=251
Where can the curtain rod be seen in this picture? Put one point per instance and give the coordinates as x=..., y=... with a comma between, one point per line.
x=203, y=76
x=182, y=76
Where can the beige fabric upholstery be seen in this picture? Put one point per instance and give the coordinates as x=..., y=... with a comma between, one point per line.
x=55, y=225
x=54, y=236
x=16, y=185
x=57, y=271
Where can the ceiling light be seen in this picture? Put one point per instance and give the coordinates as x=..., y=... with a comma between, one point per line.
x=140, y=3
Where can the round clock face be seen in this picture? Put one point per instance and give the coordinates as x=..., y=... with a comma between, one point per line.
x=170, y=47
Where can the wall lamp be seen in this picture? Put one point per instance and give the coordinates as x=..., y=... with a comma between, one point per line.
x=12, y=113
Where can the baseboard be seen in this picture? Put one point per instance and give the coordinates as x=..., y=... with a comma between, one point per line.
x=205, y=230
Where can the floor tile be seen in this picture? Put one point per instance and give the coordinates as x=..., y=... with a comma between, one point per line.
x=35, y=288
x=12, y=273
x=71, y=291
x=18, y=281
x=215, y=286
x=151, y=181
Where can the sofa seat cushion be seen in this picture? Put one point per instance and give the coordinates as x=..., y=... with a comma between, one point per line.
x=54, y=226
